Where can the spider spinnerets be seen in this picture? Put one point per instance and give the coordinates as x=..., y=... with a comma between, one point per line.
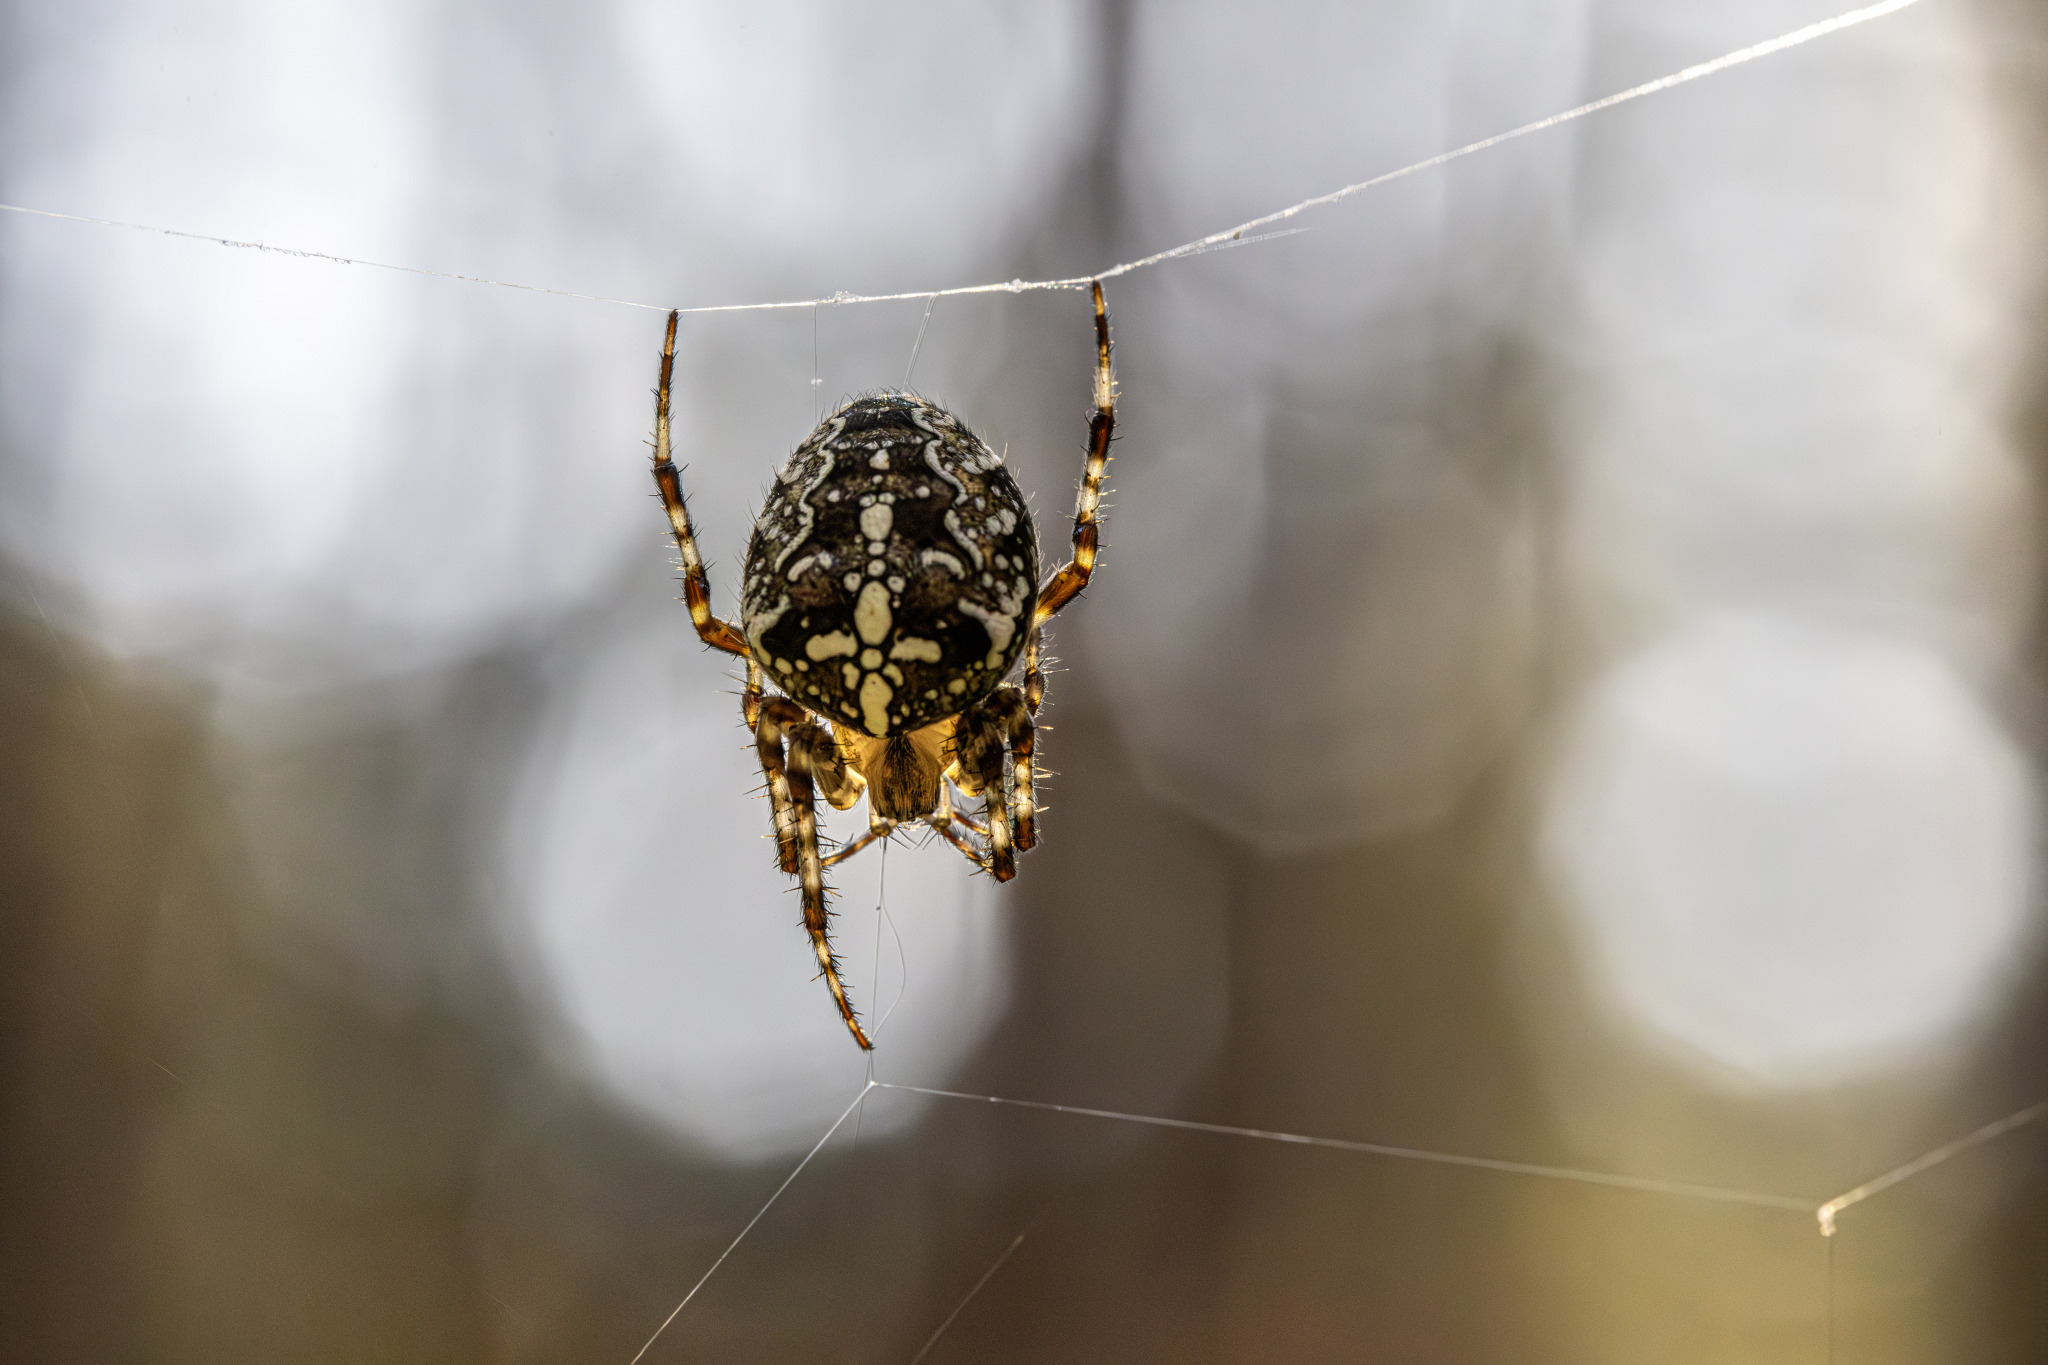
x=892, y=585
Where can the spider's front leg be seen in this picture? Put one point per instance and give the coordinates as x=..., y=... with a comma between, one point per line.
x=696, y=587
x=809, y=757
x=1066, y=585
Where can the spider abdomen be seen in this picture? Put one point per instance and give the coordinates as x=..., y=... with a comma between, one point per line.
x=893, y=571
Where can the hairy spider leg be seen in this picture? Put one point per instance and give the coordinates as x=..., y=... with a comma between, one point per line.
x=998, y=728
x=771, y=716
x=1068, y=582
x=979, y=744
x=696, y=587
x=950, y=822
x=783, y=722
x=1034, y=672
x=874, y=833
x=784, y=814
x=750, y=699
x=1010, y=708
x=836, y=779
x=956, y=839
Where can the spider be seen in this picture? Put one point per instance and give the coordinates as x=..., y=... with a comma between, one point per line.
x=892, y=584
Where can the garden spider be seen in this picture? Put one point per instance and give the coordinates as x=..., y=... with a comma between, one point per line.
x=891, y=585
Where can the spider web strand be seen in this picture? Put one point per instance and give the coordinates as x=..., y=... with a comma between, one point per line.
x=759, y=1214
x=961, y=1307
x=308, y=255
x=1640, y=1184
x=1233, y=236
x=1948, y=1150
x=1766, y=48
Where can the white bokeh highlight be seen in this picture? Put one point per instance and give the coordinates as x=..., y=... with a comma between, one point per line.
x=1787, y=831
x=1793, y=850
x=196, y=455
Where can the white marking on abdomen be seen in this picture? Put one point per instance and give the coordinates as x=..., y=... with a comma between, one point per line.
x=953, y=525
x=871, y=613
x=875, y=693
x=999, y=627
x=762, y=624
x=931, y=457
x=830, y=646
x=803, y=495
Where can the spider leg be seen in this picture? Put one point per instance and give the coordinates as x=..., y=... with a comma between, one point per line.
x=944, y=813
x=696, y=588
x=806, y=738
x=772, y=716
x=1034, y=675
x=874, y=833
x=965, y=845
x=979, y=741
x=1011, y=710
x=945, y=818
x=1068, y=582
x=837, y=780
x=750, y=698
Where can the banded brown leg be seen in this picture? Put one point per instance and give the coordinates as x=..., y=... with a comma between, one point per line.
x=696, y=587
x=785, y=724
x=1012, y=712
x=1068, y=582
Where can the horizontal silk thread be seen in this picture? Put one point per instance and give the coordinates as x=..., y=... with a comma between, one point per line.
x=1215, y=241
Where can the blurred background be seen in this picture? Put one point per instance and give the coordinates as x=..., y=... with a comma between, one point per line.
x=1564, y=686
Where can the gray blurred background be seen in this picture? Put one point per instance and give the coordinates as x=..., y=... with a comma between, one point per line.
x=1564, y=686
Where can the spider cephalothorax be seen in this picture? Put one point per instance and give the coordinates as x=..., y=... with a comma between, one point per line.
x=891, y=586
